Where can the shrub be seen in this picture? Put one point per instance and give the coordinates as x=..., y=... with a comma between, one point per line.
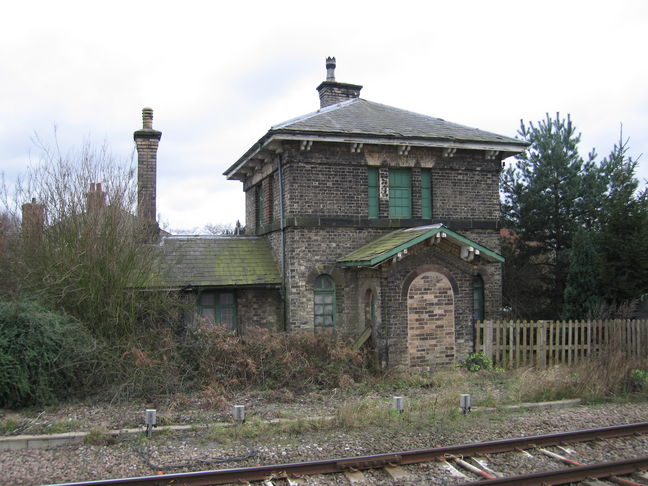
x=43, y=354
x=297, y=362
x=638, y=380
x=476, y=362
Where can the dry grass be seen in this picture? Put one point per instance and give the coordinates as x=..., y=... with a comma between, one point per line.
x=597, y=378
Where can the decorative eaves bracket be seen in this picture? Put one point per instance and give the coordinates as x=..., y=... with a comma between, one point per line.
x=468, y=253
x=404, y=149
x=491, y=154
x=356, y=148
x=449, y=152
x=306, y=145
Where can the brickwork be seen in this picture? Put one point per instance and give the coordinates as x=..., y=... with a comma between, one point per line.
x=334, y=92
x=327, y=180
x=250, y=211
x=310, y=252
x=396, y=280
x=268, y=199
x=465, y=194
x=260, y=308
x=430, y=321
x=146, y=141
x=330, y=181
x=416, y=189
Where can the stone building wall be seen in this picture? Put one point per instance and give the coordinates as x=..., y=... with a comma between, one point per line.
x=396, y=279
x=326, y=218
x=314, y=251
x=258, y=307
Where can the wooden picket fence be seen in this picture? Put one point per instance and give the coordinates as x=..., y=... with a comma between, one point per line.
x=546, y=343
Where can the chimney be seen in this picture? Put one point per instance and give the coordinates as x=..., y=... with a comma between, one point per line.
x=95, y=198
x=33, y=219
x=147, y=141
x=332, y=92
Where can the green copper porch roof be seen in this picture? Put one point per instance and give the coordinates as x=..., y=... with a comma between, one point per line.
x=216, y=261
x=397, y=241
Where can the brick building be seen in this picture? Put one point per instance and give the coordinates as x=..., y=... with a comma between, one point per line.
x=383, y=224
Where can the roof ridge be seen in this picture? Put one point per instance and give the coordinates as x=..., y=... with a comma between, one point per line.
x=326, y=109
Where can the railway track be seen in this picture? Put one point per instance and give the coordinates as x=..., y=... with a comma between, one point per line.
x=465, y=464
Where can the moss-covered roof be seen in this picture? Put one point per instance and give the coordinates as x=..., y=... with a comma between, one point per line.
x=393, y=243
x=215, y=261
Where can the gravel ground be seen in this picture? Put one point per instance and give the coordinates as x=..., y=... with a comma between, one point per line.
x=201, y=449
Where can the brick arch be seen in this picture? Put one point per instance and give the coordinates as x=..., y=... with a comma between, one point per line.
x=483, y=272
x=423, y=269
x=330, y=270
x=430, y=320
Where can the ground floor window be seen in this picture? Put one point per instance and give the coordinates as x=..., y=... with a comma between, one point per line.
x=324, y=301
x=478, y=298
x=218, y=308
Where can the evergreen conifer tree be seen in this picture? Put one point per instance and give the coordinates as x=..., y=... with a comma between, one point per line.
x=624, y=228
x=583, y=286
x=549, y=193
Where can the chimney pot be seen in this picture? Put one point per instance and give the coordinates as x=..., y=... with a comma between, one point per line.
x=96, y=199
x=330, y=69
x=147, y=118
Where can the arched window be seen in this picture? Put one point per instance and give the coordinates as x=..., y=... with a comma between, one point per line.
x=370, y=308
x=324, y=301
x=478, y=298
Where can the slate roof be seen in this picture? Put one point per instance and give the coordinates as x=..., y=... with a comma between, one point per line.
x=215, y=261
x=391, y=244
x=369, y=122
x=362, y=117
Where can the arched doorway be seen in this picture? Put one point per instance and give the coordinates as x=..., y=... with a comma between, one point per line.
x=430, y=321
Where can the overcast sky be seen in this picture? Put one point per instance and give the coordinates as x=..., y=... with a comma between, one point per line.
x=219, y=74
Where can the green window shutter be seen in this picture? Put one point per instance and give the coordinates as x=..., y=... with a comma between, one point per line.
x=426, y=194
x=400, y=193
x=373, y=191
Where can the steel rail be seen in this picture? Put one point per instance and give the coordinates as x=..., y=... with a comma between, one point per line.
x=259, y=473
x=569, y=475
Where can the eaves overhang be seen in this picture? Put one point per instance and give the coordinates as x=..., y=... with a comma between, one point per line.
x=396, y=244
x=509, y=148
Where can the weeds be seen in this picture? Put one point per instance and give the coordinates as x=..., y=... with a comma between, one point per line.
x=99, y=437
x=66, y=426
x=638, y=380
x=8, y=426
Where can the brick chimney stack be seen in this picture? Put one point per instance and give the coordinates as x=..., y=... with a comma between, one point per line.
x=332, y=92
x=147, y=141
x=96, y=197
x=33, y=219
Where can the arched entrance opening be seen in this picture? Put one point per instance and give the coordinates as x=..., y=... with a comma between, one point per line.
x=430, y=321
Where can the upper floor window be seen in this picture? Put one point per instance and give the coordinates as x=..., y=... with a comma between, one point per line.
x=258, y=206
x=270, y=198
x=400, y=193
x=324, y=301
x=426, y=193
x=218, y=308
